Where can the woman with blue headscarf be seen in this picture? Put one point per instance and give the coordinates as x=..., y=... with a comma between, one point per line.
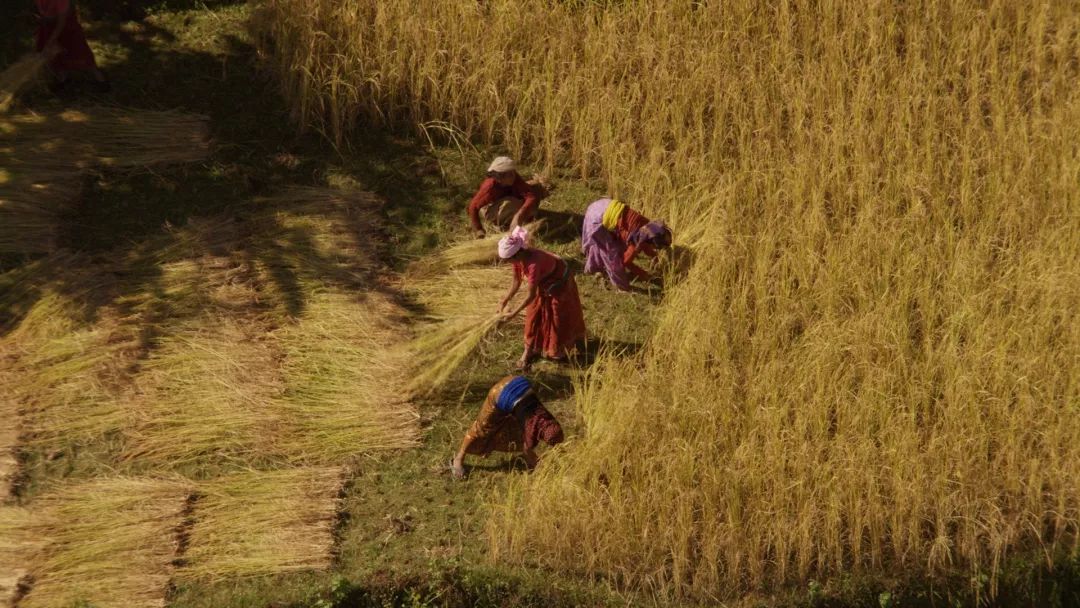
x=512, y=419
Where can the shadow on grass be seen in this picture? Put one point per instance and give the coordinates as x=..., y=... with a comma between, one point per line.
x=194, y=63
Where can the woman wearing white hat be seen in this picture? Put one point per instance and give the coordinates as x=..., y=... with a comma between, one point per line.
x=503, y=194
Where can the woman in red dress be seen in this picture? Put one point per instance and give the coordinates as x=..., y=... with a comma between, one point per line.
x=60, y=36
x=554, y=321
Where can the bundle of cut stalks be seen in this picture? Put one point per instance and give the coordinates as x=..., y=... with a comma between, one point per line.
x=110, y=542
x=462, y=305
x=443, y=349
x=19, y=547
x=466, y=252
x=263, y=523
x=31, y=203
x=102, y=137
x=18, y=76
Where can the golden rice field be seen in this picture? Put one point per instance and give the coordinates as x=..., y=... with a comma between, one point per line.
x=872, y=365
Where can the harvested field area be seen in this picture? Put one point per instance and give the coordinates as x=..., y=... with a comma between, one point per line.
x=263, y=523
x=110, y=542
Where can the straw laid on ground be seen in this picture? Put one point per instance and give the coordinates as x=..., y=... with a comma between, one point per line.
x=31, y=204
x=208, y=396
x=110, y=542
x=42, y=156
x=9, y=441
x=18, y=76
x=63, y=360
x=102, y=137
x=263, y=523
x=346, y=387
x=19, y=547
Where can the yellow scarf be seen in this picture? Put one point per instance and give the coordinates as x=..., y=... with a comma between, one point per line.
x=612, y=213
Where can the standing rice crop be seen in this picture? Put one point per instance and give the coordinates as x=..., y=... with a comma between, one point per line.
x=870, y=367
x=257, y=523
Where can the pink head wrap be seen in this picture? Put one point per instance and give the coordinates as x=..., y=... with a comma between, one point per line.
x=513, y=242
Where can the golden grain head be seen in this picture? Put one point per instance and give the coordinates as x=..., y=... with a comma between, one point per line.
x=867, y=365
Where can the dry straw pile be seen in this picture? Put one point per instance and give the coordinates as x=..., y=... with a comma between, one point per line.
x=346, y=386
x=110, y=542
x=871, y=366
x=263, y=523
x=18, y=76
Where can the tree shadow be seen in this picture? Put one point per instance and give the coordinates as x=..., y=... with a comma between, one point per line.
x=121, y=214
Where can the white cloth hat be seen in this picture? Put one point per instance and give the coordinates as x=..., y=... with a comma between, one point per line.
x=502, y=164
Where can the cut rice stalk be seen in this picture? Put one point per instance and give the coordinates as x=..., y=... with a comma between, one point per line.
x=102, y=137
x=347, y=391
x=18, y=76
x=209, y=397
x=465, y=253
x=263, y=522
x=110, y=542
x=443, y=349
x=19, y=547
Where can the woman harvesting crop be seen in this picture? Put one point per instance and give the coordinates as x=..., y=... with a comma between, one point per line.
x=613, y=234
x=61, y=37
x=554, y=322
x=511, y=419
x=504, y=196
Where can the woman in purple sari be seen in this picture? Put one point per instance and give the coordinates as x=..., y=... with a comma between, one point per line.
x=612, y=236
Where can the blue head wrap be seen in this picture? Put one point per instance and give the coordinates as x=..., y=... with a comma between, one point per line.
x=513, y=391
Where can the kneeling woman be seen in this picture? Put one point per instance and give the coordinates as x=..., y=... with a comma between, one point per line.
x=613, y=234
x=511, y=419
x=554, y=322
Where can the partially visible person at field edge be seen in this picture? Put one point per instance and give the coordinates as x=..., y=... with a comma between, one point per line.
x=504, y=197
x=511, y=419
x=554, y=322
x=60, y=36
x=613, y=234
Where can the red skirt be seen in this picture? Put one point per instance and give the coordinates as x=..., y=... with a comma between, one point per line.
x=75, y=53
x=554, y=322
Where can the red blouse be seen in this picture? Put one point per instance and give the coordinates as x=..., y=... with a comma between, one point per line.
x=537, y=267
x=491, y=191
x=630, y=222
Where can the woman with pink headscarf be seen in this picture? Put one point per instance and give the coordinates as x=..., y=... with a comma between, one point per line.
x=554, y=321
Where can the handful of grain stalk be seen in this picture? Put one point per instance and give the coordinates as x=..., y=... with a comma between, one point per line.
x=441, y=351
x=466, y=253
x=18, y=75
